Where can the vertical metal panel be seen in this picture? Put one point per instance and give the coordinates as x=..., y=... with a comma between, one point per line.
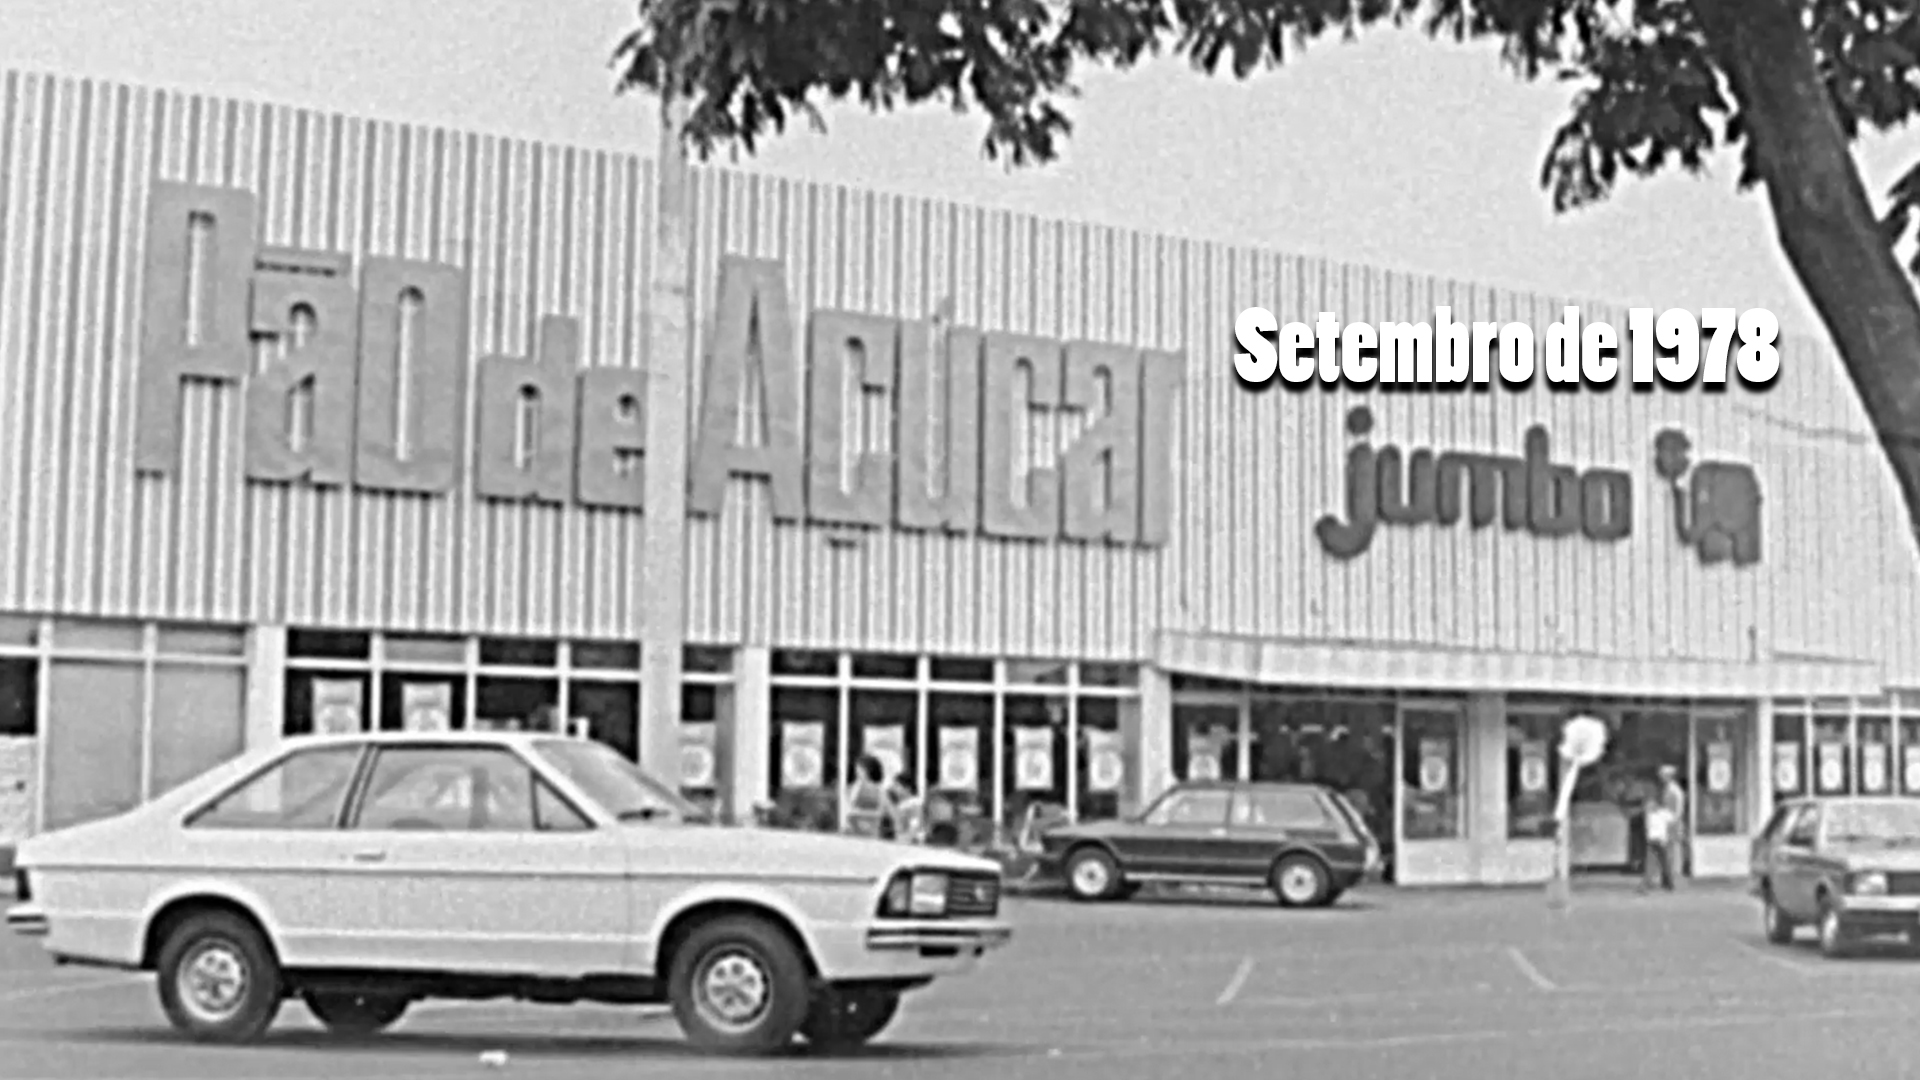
x=546, y=229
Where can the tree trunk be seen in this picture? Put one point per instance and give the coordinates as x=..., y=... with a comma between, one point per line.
x=1827, y=226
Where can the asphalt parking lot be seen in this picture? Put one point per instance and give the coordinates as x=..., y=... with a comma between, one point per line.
x=1449, y=985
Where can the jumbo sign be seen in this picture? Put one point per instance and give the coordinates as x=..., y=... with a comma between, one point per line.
x=367, y=384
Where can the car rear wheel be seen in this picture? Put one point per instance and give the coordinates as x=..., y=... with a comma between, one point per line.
x=738, y=986
x=218, y=978
x=355, y=1014
x=1835, y=943
x=844, y=1019
x=1302, y=881
x=1778, y=926
x=1092, y=874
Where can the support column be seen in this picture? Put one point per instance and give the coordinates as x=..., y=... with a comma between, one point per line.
x=749, y=731
x=1146, y=732
x=1760, y=767
x=266, y=686
x=663, y=579
x=1485, y=766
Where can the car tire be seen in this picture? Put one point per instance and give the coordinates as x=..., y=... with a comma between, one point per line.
x=1092, y=874
x=1778, y=926
x=839, y=1020
x=1301, y=881
x=1835, y=944
x=738, y=985
x=218, y=978
x=355, y=1014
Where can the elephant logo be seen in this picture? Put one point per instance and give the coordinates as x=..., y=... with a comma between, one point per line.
x=1716, y=504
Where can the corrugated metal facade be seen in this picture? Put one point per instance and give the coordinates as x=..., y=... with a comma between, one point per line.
x=551, y=230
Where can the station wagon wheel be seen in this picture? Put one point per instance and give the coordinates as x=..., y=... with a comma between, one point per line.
x=218, y=978
x=844, y=1019
x=1302, y=881
x=1092, y=874
x=1778, y=926
x=738, y=985
x=355, y=1014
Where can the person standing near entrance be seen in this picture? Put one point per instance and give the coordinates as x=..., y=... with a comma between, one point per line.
x=1658, y=861
x=1673, y=798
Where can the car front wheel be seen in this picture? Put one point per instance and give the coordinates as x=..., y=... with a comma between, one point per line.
x=1092, y=874
x=738, y=986
x=218, y=978
x=1779, y=927
x=355, y=1014
x=1834, y=942
x=844, y=1019
x=1302, y=881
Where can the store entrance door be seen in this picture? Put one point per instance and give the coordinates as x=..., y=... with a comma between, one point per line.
x=1347, y=744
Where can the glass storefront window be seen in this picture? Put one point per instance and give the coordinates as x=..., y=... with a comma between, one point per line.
x=611, y=710
x=959, y=734
x=621, y=656
x=891, y=667
x=1789, y=759
x=1533, y=774
x=885, y=723
x=1206, y=741
x=1909, y=754
x=1831, y=741
x=1873, y=755
x=806, y=755
x=504, y=703
x=1100, y=761
x=519, y=652
x=1037, y=672
x=1431, y=802
x=1109, y=675
x=1722, y=743
x=1033, y=747
x=328, y=645
x=948, y=669
x=325, y=702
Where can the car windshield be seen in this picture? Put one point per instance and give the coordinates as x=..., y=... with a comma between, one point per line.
x=622, y=788
x=1877, y=822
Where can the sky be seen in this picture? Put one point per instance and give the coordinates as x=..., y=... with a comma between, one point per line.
x=1395, y=151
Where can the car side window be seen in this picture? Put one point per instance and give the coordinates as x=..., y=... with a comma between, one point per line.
x=302, y=791
x=1804, y=827
x=1280, y=810
x=551, y=813
x=1200, y=807
x=449, y=788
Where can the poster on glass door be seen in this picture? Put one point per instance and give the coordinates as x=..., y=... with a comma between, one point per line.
x=426, y=706
x=1033, y=758
x=1873, y=767
x=888, y=745
x=336, y=706
x=1786, y=766
x=697, y=759
x=960, y=758
x=802, y=753
x=1533, y=767
x=1910, y=767
x=1106, y=768
x=1203, y=755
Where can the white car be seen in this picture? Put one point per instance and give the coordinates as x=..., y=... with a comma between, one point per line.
x=363, y=873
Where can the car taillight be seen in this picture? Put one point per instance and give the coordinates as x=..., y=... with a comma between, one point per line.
x=22, y=888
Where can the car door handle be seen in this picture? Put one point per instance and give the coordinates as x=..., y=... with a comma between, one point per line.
x=369, y=856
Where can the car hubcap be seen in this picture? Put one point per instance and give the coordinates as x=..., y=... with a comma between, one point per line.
x=213, y=981
x=733, y=990
x=1090, y=876
x=1299, y=883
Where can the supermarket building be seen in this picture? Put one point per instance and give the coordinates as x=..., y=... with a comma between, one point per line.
x=310, y=422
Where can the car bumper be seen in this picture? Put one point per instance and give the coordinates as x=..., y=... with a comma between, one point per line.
x=1880, y=914
x=906, y=950
x=28, y=920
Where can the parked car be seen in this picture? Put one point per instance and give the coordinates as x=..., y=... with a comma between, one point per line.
x=1850, y=867
x=1306, y=843
x=363, y=873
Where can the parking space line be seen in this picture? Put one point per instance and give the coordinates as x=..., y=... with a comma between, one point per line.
x=65, y=988
x=1531, y=973
x=1237, y=983
x=1775, y=959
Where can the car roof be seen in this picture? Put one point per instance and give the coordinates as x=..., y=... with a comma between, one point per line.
x=452, y=738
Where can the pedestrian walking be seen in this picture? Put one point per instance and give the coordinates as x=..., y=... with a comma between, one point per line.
x=1673, y=798
x=869, y=804
x=1663, y=815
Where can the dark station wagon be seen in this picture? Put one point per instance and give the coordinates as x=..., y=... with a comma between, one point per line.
x=1848, y=867
x=1306, y=843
